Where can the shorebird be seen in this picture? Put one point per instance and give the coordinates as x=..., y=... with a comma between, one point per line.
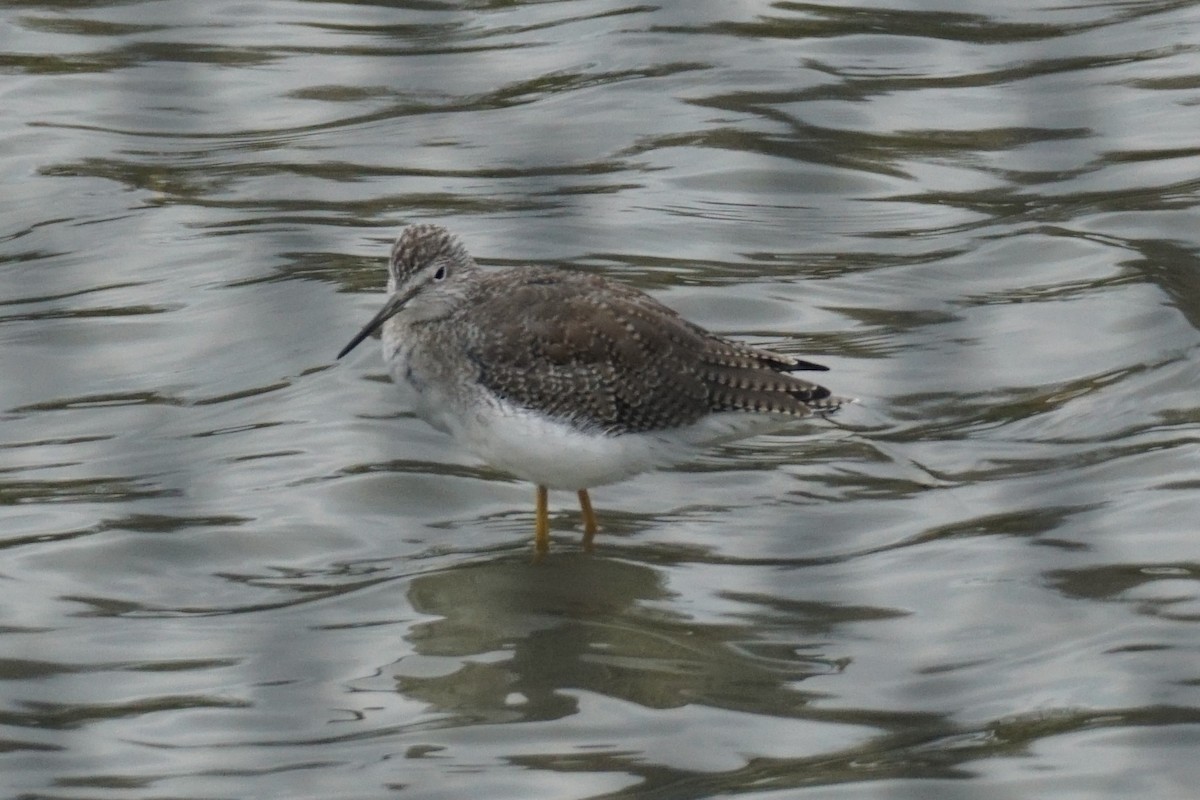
x=569, y=380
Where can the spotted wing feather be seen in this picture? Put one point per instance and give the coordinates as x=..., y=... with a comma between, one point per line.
x=578, y=347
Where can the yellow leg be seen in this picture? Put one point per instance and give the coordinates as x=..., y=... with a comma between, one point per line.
x=589, y=519
x=541, y=530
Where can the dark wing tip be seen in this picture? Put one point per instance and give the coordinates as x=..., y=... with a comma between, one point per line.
x=802, y=365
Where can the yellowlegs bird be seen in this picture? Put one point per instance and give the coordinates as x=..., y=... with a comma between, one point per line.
x=566, y=379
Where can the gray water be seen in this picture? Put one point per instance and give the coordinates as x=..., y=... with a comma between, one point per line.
x=232, y=567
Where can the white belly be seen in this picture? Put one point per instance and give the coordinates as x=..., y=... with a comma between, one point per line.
x=557, y=455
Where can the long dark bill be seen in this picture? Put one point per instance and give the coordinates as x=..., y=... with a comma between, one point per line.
x=393, y=304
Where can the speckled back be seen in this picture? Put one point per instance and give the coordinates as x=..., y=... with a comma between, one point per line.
x=611, y=358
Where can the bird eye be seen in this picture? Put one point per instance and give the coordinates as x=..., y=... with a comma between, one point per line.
x=440, y=274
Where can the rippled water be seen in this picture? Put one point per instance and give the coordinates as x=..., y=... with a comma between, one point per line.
x=232, y=567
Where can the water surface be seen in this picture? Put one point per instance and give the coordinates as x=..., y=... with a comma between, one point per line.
x=233, y=567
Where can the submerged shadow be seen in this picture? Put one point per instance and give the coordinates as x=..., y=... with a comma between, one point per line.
x=524, y=639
